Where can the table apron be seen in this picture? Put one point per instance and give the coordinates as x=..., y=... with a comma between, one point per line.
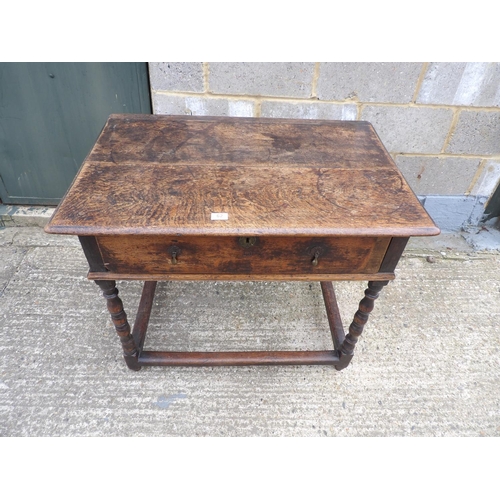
x=311, y=258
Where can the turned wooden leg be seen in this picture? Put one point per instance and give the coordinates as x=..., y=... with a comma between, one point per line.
x=119, y=318
x=333, y=314
x=366, y=306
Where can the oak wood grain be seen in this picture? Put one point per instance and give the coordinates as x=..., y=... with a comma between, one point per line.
x=191, y=140
x=143, y=314
x=225, y=255
x=167, y=175
x=393, y=254
x=333, y=313
x=361, y=317
x=242, y=277
x=120, y=321
x=238, y=358
x=323, y=200
x=92, y=253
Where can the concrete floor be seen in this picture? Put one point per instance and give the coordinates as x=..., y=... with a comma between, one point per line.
x=428, y=363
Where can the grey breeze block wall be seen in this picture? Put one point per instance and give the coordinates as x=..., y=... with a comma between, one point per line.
x=439, y=121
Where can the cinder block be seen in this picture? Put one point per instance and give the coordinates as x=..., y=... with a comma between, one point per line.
x=368, y=82
x=164, y=104
x=454, y=213
x=488, y=180
x=410, y=129
x=435, y=175
x=477, y=132
x=269, y=78
x=461, y=84
x=310, y=110
x=176, y=76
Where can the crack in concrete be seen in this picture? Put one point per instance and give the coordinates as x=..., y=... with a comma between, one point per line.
x=14, y=273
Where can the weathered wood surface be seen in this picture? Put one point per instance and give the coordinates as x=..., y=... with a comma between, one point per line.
x=189, y=140
x=120, y=321
x=324, y=199
x=242, y=277
x=143, y=314
x=333, y=313
x=393, y=254
x=92, y=253
x=361, y=316
x=239, y=358
x=166, y=175
x=225, y=255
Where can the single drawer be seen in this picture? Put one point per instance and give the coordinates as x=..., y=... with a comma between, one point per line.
x=230, y=255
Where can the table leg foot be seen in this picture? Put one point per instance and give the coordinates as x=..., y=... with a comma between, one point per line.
x=119, y=318
x=344, y=360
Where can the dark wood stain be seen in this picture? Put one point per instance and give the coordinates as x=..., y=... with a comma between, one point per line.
x=394, y=252
x=224, y=255
x=166, y=175
x=241, y=277
x=241, y=358
x=333, y=314
x=143, y=314
x=92, y=253
x=120, y=321
x=317, y=200
x=237, y=141
x=361, y=317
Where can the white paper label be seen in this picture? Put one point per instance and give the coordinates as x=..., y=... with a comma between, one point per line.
x=219, y=216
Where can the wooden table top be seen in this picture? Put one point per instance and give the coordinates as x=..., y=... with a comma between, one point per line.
x=167, y=175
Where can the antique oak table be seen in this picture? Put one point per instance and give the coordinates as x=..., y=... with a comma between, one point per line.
x=216, y=198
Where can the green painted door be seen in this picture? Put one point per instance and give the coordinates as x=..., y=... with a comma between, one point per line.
x=50, y=117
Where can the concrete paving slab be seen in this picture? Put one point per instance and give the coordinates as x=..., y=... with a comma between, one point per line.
x=444, y=242
x=27, y=237
x=10, y=259
x=428, y=363
x=19, y=215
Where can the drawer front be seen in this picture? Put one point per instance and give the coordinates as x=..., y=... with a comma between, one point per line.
x=232, y=255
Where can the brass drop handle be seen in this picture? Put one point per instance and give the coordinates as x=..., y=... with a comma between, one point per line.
x=174, y=252
x=314, y=262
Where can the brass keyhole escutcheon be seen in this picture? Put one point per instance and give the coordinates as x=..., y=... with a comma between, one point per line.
x=174, y=254
x=247, y=241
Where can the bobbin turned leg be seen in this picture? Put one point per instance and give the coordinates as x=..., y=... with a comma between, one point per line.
x=366, y=306
x=119, y=318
